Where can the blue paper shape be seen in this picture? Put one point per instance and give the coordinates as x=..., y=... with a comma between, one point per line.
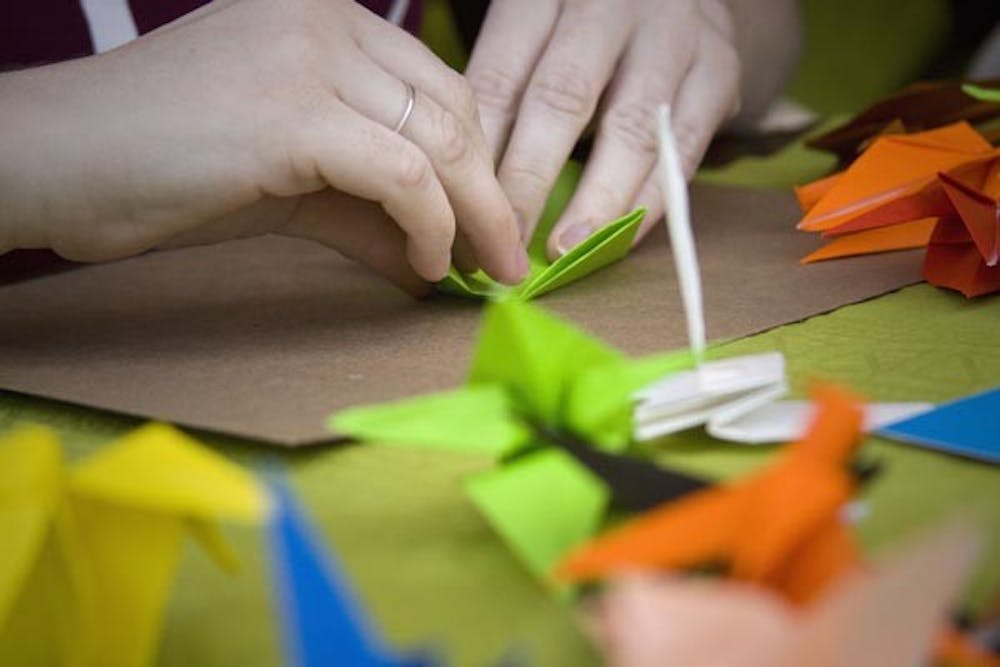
x=322, y=623
x=968, y=427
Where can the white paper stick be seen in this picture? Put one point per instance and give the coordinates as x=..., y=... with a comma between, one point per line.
x=397, y=12
x=674, y=189
x=110, y=23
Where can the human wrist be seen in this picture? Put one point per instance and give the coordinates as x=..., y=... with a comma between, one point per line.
x=32, y=114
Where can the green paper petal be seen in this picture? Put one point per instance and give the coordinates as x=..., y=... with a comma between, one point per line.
x=981, y=93
x=605, y=246
x=558, y=199
x=541, y=505
x=472, y=419
x=534, y=356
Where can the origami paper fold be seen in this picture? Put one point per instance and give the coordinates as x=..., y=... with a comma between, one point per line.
x=966, y=427
x=894, y=166
x=903, y=236
x=953, y=210
x=95, y=548
x=963, y=251
x=780, y=527
x=322, y=624
x=918, y=107
x=604, y=246
x=531, y=372
x=989, y=93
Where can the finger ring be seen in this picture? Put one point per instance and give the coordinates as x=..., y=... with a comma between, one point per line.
x=411, y=98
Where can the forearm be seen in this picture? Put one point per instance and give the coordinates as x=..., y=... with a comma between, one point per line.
x=768, y=40
x=36, y=110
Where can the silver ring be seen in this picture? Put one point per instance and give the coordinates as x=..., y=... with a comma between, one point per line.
x=411, y=98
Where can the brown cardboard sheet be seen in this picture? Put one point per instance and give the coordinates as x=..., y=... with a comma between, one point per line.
x=264, y=338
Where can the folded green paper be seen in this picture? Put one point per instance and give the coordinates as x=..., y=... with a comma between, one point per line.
x=528, y=368
x=982, y=93
x=605, y=246
x=543, y=504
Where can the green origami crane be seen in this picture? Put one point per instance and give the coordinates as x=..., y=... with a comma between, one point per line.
x=89, y=553
x=528, y=364
x=605, y=246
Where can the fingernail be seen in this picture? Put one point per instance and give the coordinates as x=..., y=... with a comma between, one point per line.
x=522, y=227
x=571, y=237
x=521, y=263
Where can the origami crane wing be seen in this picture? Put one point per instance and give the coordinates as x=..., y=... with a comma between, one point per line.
x=132, y=504
x=894, y=166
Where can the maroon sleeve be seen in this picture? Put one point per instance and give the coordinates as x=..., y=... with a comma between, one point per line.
x=34, y=32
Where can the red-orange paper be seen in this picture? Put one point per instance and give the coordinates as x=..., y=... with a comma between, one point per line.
x=781, y=527
x=954, y=211
x=964, y=252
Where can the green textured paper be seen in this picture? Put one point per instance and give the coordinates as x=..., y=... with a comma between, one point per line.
x=980, y=93
x=471, y=419
x=605, y=246
x=542, y=505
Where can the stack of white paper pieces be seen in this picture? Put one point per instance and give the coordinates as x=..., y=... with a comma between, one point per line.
x=736, y=399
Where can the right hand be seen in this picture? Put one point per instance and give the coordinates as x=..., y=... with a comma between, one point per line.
x=279, y=114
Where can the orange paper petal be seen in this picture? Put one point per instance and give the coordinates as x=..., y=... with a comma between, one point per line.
x=892, y=167
x=810, y=193
x=915, y=234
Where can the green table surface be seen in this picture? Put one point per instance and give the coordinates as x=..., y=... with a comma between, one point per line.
x=430, y=570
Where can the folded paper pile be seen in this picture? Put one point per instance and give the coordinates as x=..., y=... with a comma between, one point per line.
x=939, y=189
x=91, y=551
x=736, y=399
x=554, y=407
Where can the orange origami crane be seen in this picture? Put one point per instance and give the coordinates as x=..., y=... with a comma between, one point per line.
x=938, y=189
x=782, y=527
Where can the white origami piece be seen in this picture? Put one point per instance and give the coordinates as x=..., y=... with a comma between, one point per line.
x=736, y=399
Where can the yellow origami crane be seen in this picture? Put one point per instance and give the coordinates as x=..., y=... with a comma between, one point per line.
x=89, y=552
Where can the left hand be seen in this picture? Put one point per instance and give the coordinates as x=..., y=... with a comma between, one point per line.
x=542, y=70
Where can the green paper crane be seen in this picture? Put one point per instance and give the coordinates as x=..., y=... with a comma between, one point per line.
x=605, y=246
x=528, y=365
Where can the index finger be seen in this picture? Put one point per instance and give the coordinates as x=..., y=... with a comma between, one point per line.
x=559, y=102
